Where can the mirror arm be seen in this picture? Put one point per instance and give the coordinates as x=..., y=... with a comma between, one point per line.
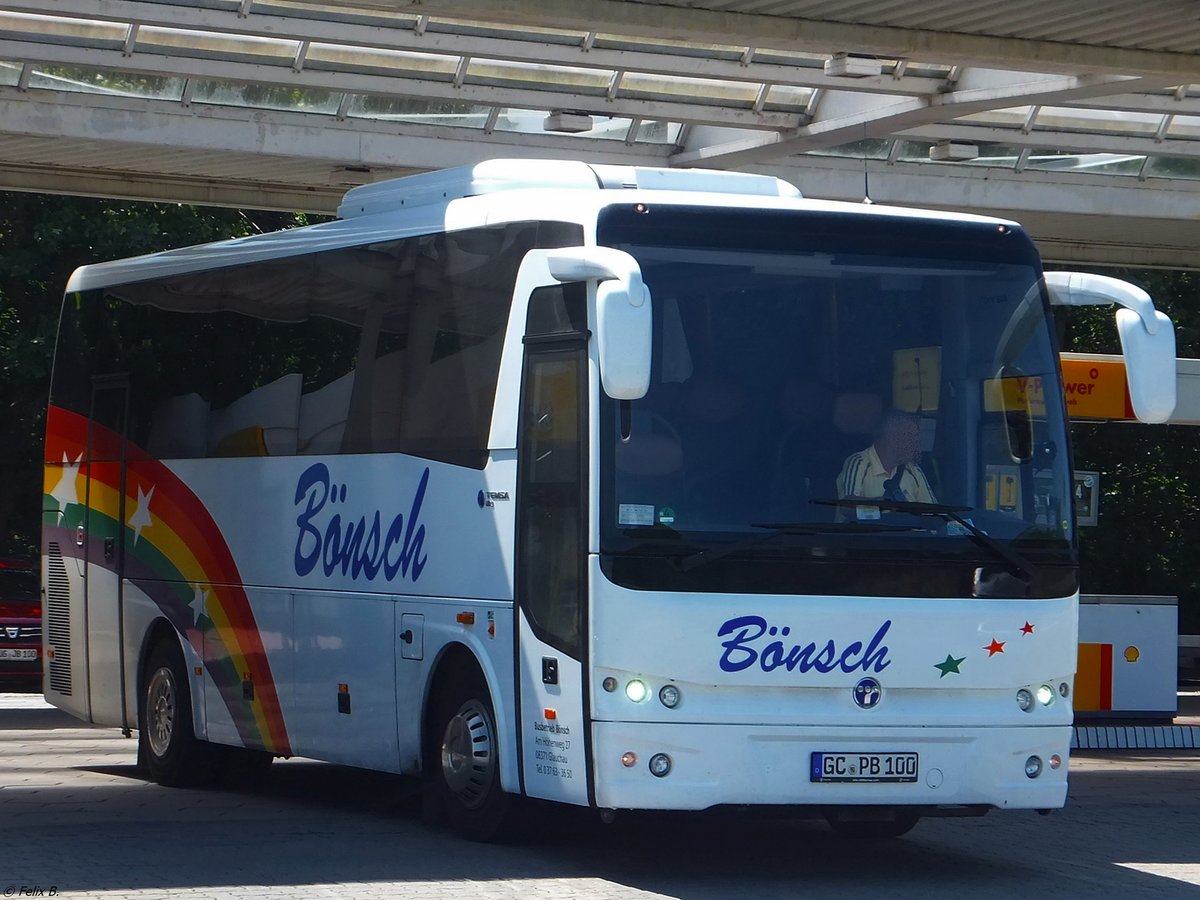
x=1083, y=289
x=601, y=263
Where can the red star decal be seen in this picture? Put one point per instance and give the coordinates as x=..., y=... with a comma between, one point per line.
x=995, y=647
x=1027, y=629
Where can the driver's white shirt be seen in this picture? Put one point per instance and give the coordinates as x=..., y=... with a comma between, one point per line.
x=863, y=475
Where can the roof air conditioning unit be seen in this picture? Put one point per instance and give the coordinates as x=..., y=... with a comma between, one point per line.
x=567, y=122
x=843, y=65
x=949, y=151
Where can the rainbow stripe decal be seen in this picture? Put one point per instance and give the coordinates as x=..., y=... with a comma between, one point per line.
x=174, y=552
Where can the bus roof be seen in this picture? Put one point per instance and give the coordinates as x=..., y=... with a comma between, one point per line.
x=539, y=174
x=471, y=196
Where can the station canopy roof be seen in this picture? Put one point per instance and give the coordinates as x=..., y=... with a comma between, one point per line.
x=1081, y=119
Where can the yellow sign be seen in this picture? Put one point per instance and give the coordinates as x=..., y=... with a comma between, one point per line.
x=1001, y=488
x=1017, y=392
x=1092, y=389
x=1096, y=389
x=916, y=374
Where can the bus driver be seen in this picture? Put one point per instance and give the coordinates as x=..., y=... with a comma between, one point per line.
x=889, y=467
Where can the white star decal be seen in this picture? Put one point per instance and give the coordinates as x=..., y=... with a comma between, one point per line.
x=65, y=492
x=141, y=515
x=196, y=605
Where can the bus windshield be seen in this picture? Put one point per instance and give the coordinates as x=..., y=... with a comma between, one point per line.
x=806, y=364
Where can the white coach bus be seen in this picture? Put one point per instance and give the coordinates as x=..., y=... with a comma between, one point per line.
x=547, y=479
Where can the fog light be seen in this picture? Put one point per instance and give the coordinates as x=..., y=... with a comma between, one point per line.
x=1045, y=695
x=1055, y=761
x=636, y=691
x=609, y=684
x=660, y=765
x=629, y=759
x=669, y=696
x=1064, y=690
x=1033, y=767
x=1025, y=699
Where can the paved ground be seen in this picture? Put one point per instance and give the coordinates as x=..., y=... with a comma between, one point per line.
x=75, y=819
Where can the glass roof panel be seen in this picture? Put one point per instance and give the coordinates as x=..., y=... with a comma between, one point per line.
x=1014, y=117
x=526, y=75
x=1186, y=127
x=693, y=90
x=671, y=47
x=507, y=32
x=10, y=73
x=60, y=29
x=88, y=80
x=1175, y=167
x=324, y=12
x=913, y=151
x=1086, y=163
x=263, y=96
x=422, y=112
x=205, y=45
x=1101, y=121
x=869, y=148
x=339, y=58
x=784, y=98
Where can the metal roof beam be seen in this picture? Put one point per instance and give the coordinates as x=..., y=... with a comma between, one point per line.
x=799, y=34
x=137, y=123
x=173, y=189
x=1164, y=104
x=846, y=116
x=1049, y=139
x=520, y=47
x=699, y=110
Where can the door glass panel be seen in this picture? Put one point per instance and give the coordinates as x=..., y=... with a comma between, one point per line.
x=550, y=562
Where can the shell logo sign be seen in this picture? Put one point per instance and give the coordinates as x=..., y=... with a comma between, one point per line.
x=1096, y=389
x=1093, y=389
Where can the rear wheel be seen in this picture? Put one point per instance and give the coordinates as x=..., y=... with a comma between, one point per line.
x=167, y=745
x=463, y=763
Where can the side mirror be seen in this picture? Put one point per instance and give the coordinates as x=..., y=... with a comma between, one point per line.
x=1147, y=337
x=624, y=326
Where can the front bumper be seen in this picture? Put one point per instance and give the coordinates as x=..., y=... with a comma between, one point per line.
x=713, y=765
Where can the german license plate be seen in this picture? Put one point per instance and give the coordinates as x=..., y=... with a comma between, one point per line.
x=864, y=767
x=10, y=653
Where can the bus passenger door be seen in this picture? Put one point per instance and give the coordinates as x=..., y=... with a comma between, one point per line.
x=103, y=539
x=551, y=547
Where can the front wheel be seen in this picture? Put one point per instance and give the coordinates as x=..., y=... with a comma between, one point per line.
x=463, y=762
x=167, y=745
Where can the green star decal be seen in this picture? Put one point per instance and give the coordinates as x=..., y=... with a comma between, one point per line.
x=950, y=665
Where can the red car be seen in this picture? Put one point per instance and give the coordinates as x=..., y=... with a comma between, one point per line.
x=20, y=623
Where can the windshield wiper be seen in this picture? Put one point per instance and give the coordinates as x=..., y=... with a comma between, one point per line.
x=1015, y=563
x=775, y=529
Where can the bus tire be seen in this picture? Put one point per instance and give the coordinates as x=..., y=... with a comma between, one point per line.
x=463, y=762
x=893, y=824
x=167, y=744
